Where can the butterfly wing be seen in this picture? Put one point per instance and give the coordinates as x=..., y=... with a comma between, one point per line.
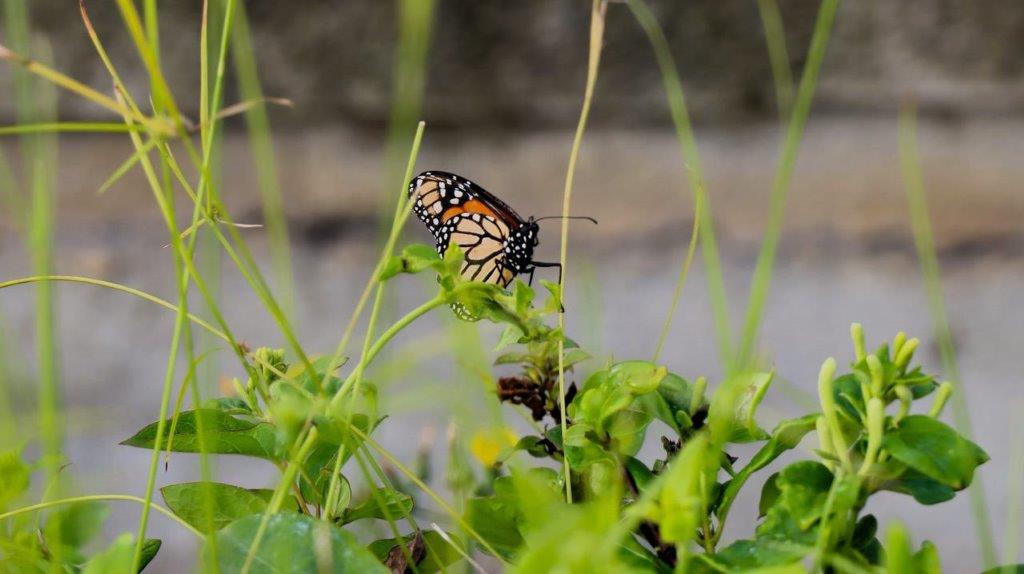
x=440, y=195
x=458, y=211
x=484, y=241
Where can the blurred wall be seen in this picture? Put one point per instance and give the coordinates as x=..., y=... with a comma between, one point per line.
x=522, y=63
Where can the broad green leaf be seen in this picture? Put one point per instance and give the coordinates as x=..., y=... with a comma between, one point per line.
x=640, y=377
x=229, y=405
x=228, y=503
x=769, y=495
x=534, y=445
x=787, y=435
x=634, y=554
x=935, y=450
x=803, y=489
x=898, y=557
x=627, y=430
x=926, y=560
x=638, y=473
x=414, y=258
x=225, y=434
x=380, y=503
x=495, y=519
x=76, y=524
x=924, y=489
x=671, y=403
x=439, y=553
x=576, y=542
x=745, y=427
x=14, y=477
x=117, y=558
x=1007, y=569
x=294, y=543
x=679, y=506
x=762, y=553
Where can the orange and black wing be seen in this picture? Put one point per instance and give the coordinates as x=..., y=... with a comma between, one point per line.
x=484, y=241
x=459, y=211
x=440, y=195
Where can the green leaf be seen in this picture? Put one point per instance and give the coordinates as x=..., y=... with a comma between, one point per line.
x=787, y=435
x=745, y=427
x=118, y=556
x=627, y=430
x=924, y=489
x=413, y=259
x=926, y=560
x=638, y=472
x=671, y=403
x=380, y=503
x=769, y=495
x=640, y=377
x=77, y=523
x=935, y=450
x=1007, y=569
x=229, y=405
x=534, y=445
x=749, y=555
x=679, y=507
x=228, y=503
x=14, y=477
x=803, y=489
x=495, y=519
x=294, y=543
x=439, y=553
x=635, y=555
x=225, y=434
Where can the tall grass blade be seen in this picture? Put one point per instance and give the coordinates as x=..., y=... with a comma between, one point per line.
x=409, y=80
x=924, y=241
x=780, y=186
x=262, y=148
x=691, y=161
x=1015, y=502
x=778, y=55
x=597, y=18
x=684, y=272
x=37, y=102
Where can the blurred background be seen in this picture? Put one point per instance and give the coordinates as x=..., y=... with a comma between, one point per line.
x=501, y=86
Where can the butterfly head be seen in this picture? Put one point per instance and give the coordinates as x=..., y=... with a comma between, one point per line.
x=519, y=246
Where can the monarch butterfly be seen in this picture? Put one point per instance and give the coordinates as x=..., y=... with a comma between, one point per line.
x=497, y=242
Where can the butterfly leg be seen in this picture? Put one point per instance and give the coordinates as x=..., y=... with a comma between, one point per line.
x=544, y=264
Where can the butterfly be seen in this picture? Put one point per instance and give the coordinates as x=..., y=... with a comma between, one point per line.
x=497, y=242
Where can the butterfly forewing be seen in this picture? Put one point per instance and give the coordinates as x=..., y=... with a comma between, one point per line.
x=492, y=235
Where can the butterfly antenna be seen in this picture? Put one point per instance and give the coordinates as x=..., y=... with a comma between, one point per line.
x=588, y=218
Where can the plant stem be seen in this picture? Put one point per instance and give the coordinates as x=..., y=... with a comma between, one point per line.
x=117, y=287
x=925, y=243
x=684, y=272
x=597, y=14
x=94, y=497
x=780, y=186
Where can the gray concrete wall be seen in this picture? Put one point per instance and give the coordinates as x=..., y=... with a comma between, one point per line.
x=522, y=63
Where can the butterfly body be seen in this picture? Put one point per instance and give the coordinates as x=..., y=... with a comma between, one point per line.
x=497, y=242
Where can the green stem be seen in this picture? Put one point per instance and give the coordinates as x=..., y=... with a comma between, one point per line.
x=676, y=98
x=684, y=272
x=775, y=39
x=925, y=243
x=117, y=287
x=94, y=497
x=597, y=15
x=780, y=186
x=287, y=478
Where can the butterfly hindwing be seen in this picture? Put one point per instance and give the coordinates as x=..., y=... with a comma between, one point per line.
x=497, y=243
